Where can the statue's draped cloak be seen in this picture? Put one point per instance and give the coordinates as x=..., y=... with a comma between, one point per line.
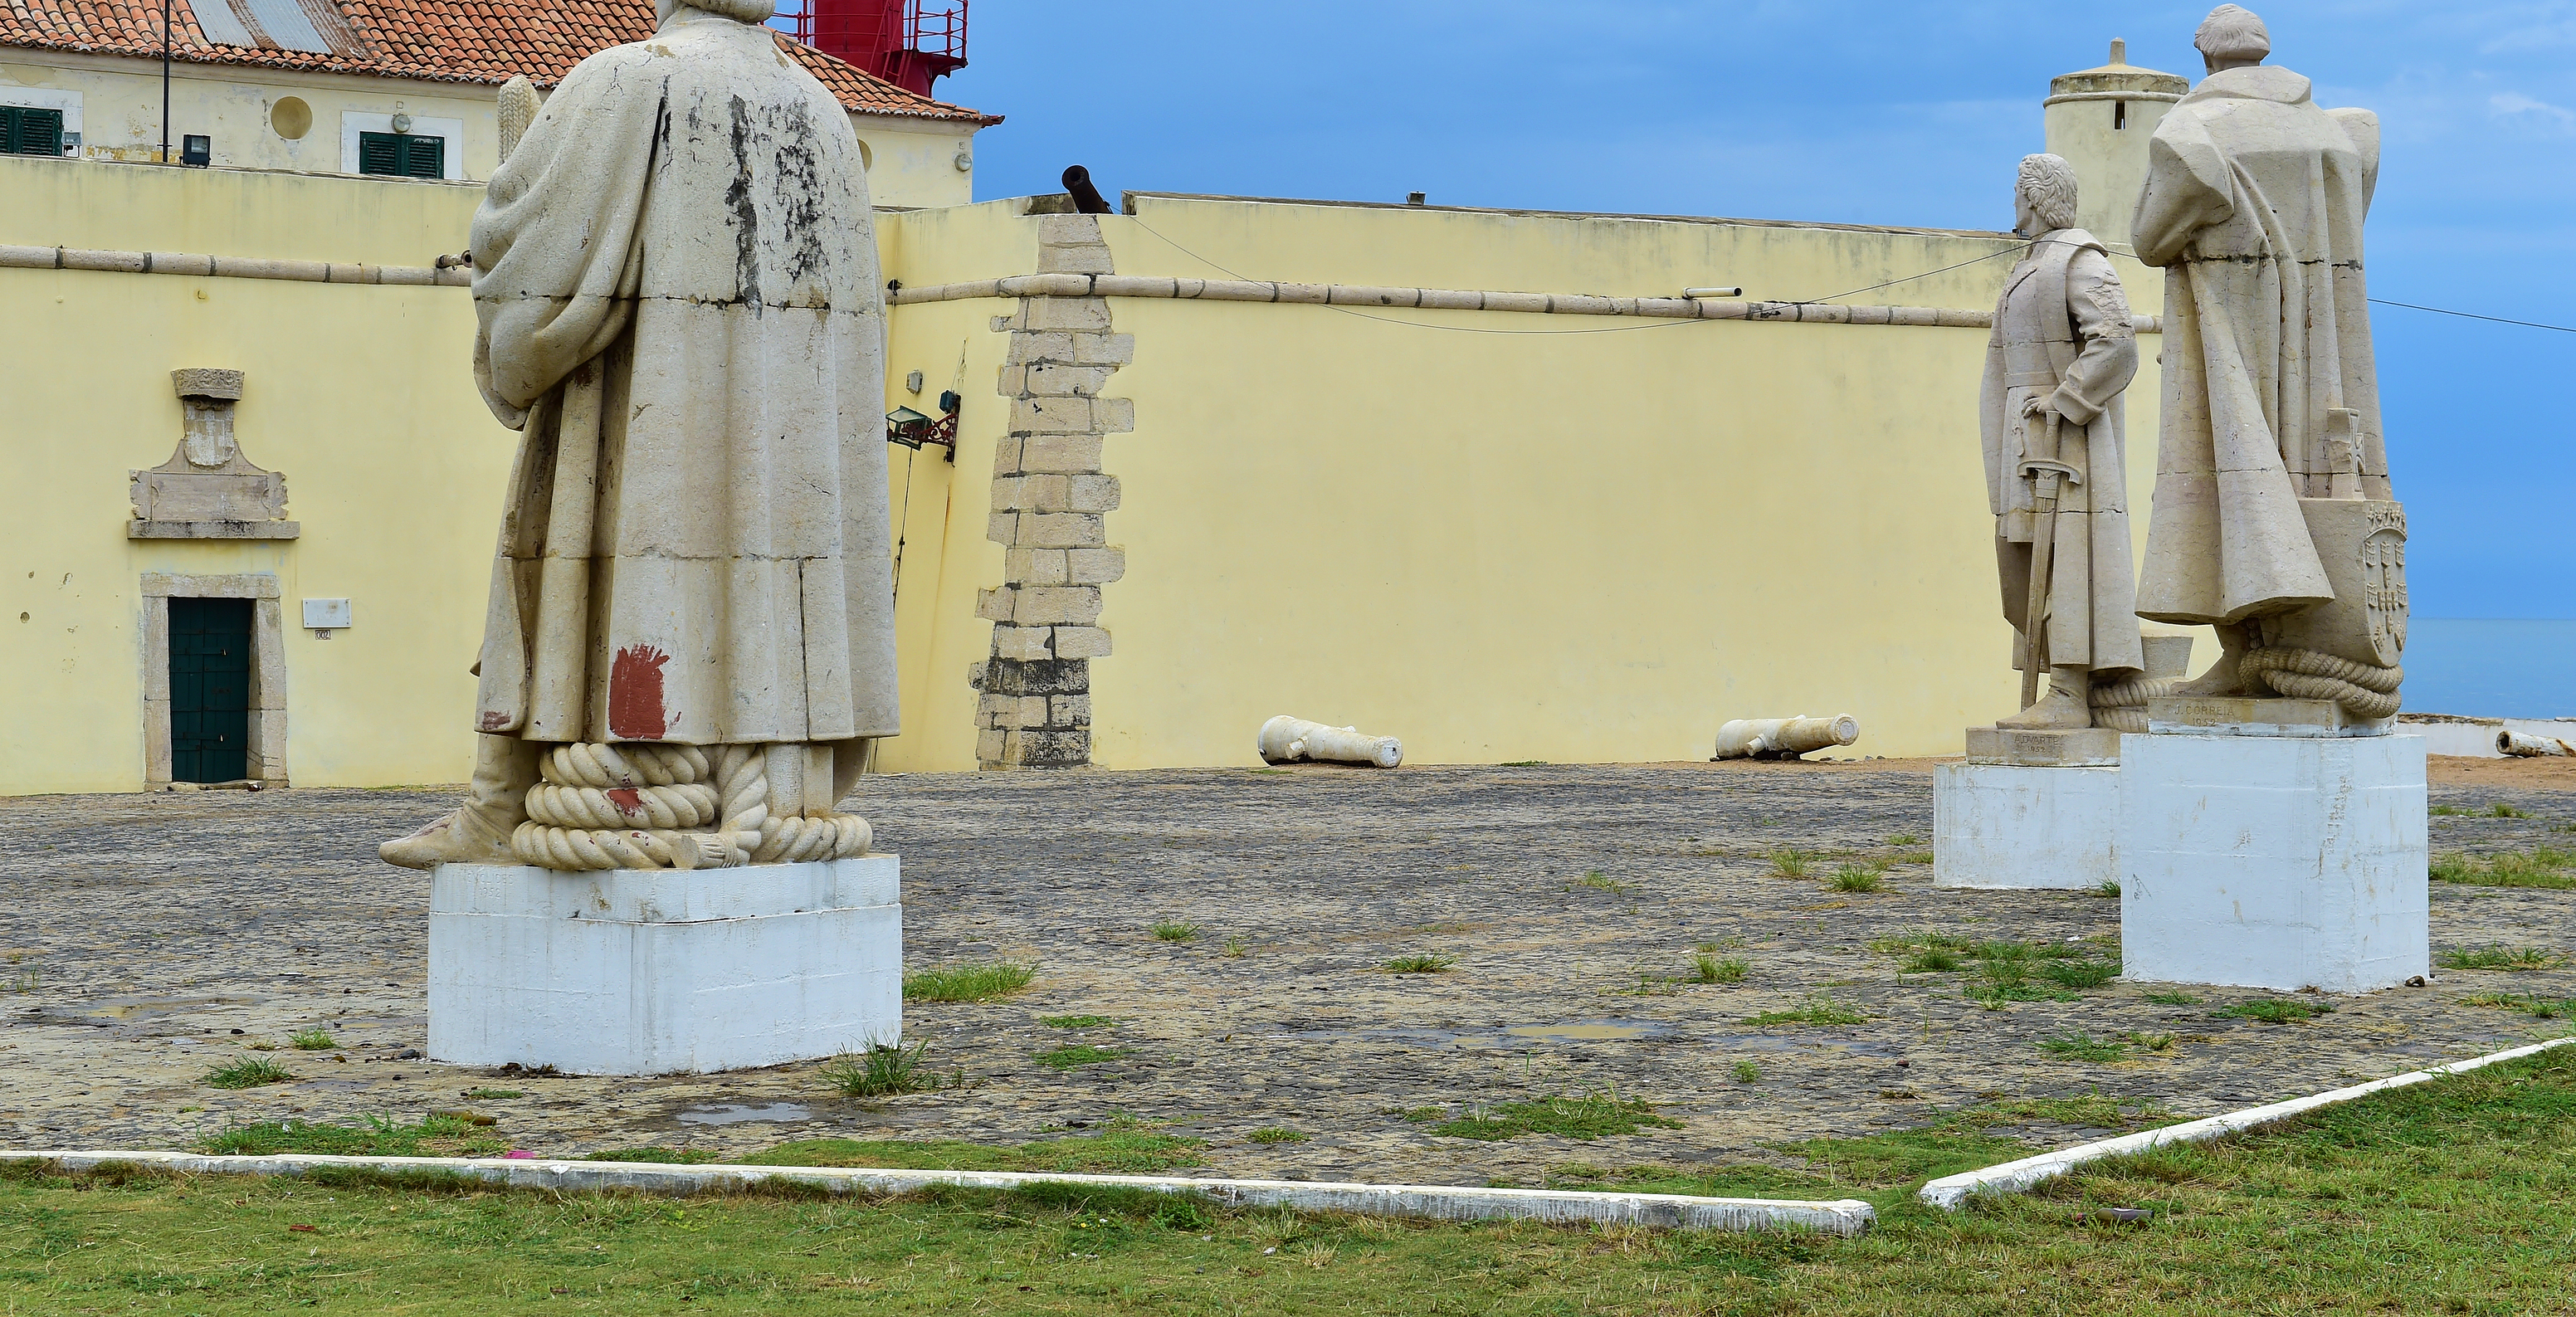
x=2254, y=205
x=676, y=283
x=2062, y=332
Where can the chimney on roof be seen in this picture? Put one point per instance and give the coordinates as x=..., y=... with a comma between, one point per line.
x=910, y=43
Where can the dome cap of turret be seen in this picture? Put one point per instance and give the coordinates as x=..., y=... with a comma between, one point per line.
x=2118, y=79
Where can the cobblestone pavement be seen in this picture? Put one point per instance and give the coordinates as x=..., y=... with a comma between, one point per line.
x=145, y=938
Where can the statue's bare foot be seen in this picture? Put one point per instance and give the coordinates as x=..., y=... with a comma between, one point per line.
x=460, y=836
x=2060, y=710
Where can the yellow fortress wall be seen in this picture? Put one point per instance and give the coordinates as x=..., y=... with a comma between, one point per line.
x=1510, y=536
x=361, y=395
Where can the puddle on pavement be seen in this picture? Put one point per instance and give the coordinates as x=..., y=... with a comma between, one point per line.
x=1598, y=1031
x=732, y=1113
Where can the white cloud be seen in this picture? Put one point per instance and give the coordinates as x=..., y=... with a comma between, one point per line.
x=2515, y=106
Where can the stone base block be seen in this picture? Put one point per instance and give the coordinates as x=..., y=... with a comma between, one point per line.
x=649, y=972
x=2281, y=862
x=2008, y=825
x=2089, y=747
x=2237, y=715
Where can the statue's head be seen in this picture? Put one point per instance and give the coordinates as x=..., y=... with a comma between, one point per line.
x=740, y=11
x=2044, y=196
x=2231, y=38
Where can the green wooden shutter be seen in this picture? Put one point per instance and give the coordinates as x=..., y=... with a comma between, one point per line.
x=425, y=157
x=25, y=130
x=402, y=155
x=379, y=153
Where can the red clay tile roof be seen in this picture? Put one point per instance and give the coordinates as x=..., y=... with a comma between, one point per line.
x=482, y=41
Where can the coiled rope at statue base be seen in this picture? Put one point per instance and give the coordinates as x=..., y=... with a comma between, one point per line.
x=2364, y=690
x=669, y=807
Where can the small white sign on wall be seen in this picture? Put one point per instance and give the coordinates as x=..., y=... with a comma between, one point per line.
x=326, y=614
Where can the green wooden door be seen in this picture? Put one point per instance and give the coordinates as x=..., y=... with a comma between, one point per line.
x=209, y=689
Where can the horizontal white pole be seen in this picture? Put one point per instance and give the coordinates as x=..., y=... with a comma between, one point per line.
x=1430, y=1202
x=1950, y=1191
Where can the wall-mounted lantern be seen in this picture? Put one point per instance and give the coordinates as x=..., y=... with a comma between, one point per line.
x=912, y=429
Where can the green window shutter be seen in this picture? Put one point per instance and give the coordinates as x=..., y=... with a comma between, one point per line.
x=25, y=130
x=425, y=157
x=402, y=155
x=379, y=153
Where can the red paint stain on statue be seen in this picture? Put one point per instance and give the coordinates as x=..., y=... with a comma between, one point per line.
x=635, y=708
x=627, y=800
x=494, y=720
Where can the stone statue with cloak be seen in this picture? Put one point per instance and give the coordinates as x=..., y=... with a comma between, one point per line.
x=2273, y=519
x=689, y=644
x=2062, y=351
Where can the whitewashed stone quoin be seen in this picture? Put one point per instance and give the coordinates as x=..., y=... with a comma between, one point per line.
x=1051, y=501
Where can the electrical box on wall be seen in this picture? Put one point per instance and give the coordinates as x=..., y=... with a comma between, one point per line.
x=326, y=615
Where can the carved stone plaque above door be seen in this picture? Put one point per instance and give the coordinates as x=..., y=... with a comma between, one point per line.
x=208, y=490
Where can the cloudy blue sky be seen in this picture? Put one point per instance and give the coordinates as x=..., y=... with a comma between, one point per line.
x=1892, y=112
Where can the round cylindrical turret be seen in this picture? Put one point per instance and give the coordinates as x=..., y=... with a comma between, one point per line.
x=2100, y=120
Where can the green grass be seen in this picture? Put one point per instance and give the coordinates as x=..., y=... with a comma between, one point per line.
x=1079, y=1055
x=2500, y=958
x=1998, y=983
x=1858, y=878
x=2089, y=1111
x=1420, y=965
x=1821, y=1008
x=1075, y=1021
x=2080, y=973
x=1931, y=960
x=1128, y=1148
x=2501, y=810
x=1745, y=1072
x=882, y=1070
x=654, y=1155
x=2446, y=1197
x=312, y=1040
x=955, y=983
x=1171, y=932
x=2278, y=1010
x=1719, y=969
x=1599, y=882
x=1905, y=839
x=2108, y=889
x=2170, y=998
x=2448, y=811
x=2531, y=1004
x=1791, y=863
x=2545, y=867
x=438, y=1135
x=1585, y=1118
x=1274, y=1134
x=248, y=1072
x=2085, y=1047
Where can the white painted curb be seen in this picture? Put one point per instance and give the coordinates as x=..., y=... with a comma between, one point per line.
x=1951, y=1191
x=1432, y=1202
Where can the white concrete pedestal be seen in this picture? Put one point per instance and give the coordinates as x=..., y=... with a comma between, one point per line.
x=648, y=972
x=2007, y=825
x=2282, y=862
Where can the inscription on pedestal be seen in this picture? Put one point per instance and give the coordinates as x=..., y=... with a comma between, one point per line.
x=2090, y=747
x=2230, y=715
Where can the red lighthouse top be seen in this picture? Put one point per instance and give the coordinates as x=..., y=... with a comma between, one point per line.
x=910, y=43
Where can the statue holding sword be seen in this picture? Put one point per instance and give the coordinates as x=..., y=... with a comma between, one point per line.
x=2062, y=351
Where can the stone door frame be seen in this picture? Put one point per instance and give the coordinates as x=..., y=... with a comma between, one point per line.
x=264, y=759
